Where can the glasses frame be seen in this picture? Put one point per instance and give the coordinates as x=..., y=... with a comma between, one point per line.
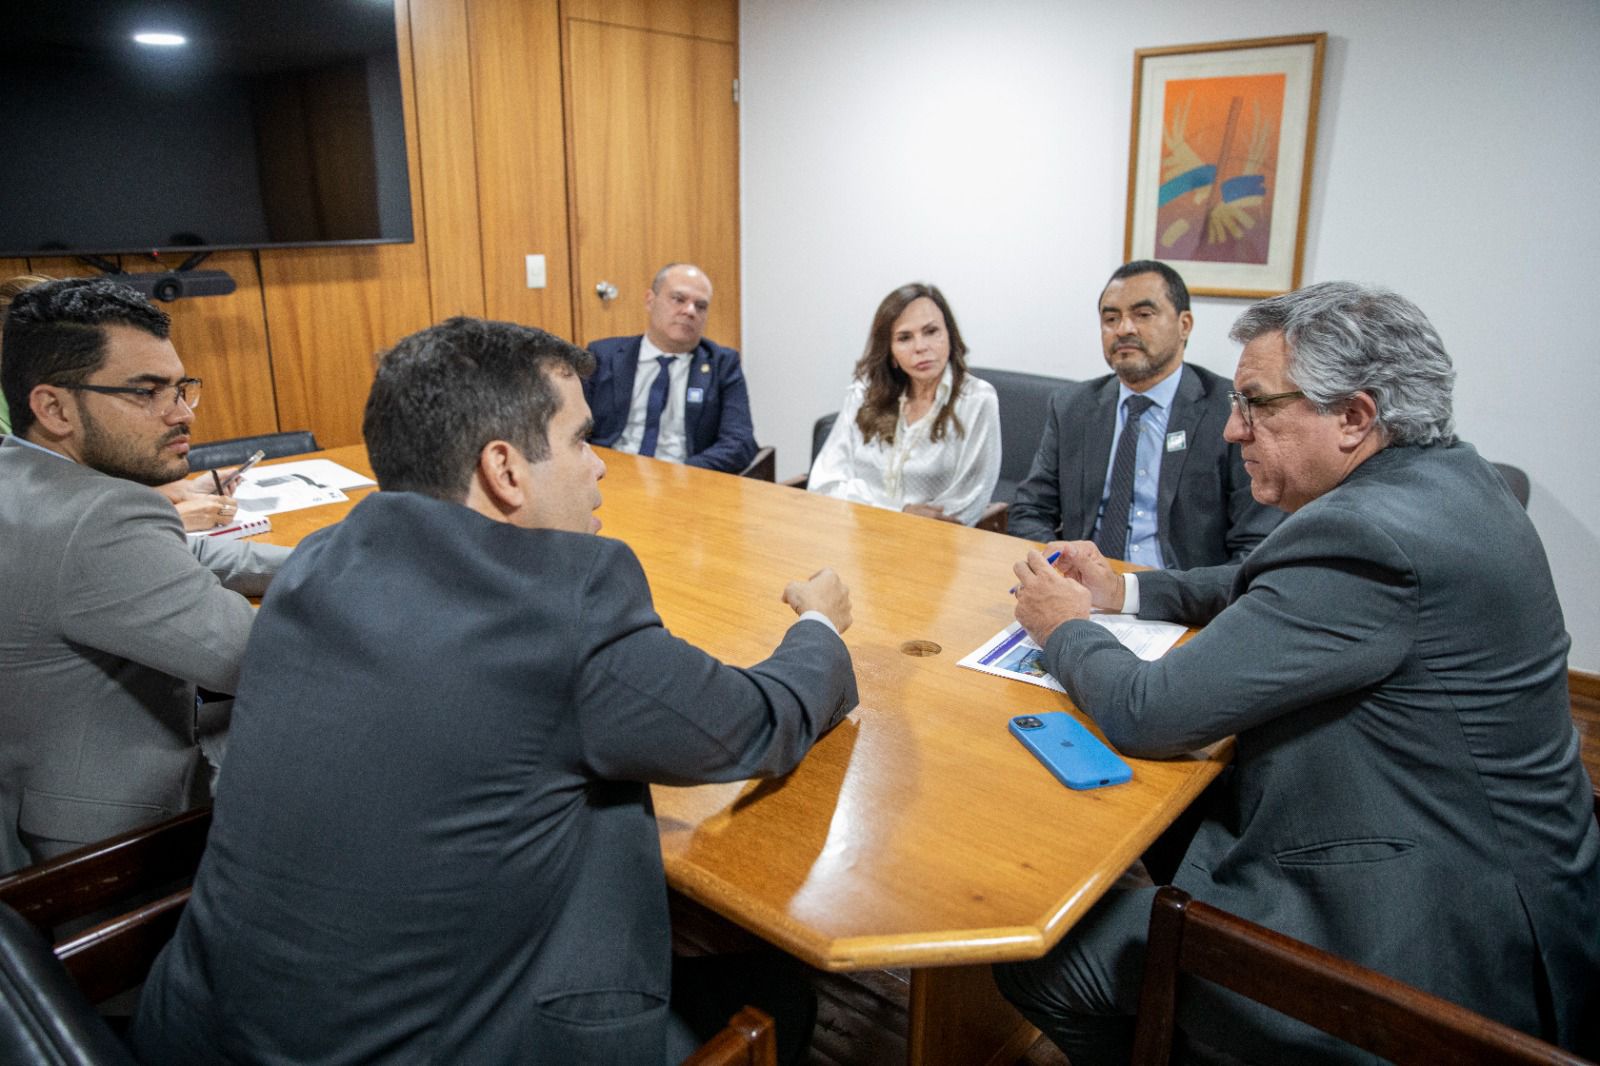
x=1243, y=404
x=185, y=389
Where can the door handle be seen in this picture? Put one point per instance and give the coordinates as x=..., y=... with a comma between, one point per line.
x=606, y=291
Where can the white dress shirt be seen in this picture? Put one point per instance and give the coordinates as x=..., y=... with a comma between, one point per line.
x=956, y=474
x=671, y=441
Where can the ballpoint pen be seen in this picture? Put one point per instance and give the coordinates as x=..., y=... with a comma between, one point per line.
x=1051, y=558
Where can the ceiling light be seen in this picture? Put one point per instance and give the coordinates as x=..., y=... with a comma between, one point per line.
x=161, y=40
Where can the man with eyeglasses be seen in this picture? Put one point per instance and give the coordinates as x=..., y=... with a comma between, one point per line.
x=108, y=621
x=1406, y=790
x=1135, y=460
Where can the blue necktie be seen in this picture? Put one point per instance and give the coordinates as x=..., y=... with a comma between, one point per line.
x=1112, y=537
x=656, y=404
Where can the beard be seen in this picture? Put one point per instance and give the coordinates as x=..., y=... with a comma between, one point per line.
x=128, y=459
x=1136, y=367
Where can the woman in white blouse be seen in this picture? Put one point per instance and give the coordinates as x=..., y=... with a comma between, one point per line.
x=917, y=433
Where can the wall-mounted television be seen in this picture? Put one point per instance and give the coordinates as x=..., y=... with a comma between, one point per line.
x=272, y=123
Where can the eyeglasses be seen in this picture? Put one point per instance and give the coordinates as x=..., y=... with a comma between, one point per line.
x=157, y=399
x=1244, y=404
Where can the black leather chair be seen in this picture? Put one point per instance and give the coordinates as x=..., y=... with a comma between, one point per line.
x=44, y=1019
x=764, y=467
x=1516, y=480
x=232, y=452
x=1024, y=405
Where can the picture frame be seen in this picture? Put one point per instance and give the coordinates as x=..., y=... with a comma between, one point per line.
x=1219, y=161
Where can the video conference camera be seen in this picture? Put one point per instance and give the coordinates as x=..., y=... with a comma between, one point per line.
x=171, y=285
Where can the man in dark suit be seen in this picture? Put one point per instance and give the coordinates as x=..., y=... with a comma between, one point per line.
x=436, y=840
x=672, y=393
x=1406, y=789
x=108, y=621
x=1184, y=500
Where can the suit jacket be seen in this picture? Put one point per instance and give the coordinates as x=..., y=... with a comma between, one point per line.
x=1205, y=513
x=717, y=429
x=434, y=840
x=108, y=623
x=1406, y=789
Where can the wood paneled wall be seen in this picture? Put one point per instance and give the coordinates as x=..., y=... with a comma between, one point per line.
x=294, y=347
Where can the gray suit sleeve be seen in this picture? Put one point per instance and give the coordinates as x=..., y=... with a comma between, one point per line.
x=242, y=566
x=134, y=589
x=1192, y=597
x=1329, y=611
x=1035, y=514
x=655, y=708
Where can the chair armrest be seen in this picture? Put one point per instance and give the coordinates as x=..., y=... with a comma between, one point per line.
x=749, y=1040
x=994, y=517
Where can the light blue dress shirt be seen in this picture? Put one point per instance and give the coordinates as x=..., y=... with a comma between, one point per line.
x=1143, y=546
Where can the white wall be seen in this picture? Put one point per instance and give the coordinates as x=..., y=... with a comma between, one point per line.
x=985, y=148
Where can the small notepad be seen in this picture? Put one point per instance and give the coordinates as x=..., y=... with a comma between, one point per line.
x=244, y=527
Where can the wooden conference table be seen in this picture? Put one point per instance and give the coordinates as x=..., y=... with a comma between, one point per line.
x=918, y=833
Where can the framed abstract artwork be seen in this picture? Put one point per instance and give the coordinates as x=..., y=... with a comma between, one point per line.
x=1219, y=164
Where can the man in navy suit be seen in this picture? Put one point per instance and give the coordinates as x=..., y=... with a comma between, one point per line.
x=1190, y=503
x=671, y=393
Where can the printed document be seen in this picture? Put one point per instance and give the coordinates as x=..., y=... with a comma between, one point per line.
x=1012, y=653
x=268, y=490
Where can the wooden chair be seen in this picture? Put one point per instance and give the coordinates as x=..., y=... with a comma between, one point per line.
x=101, y=876
x=118, y=875
x=750, y=1039
x=1360, y=1006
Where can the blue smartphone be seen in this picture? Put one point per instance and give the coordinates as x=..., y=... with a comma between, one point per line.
x=1077, y=757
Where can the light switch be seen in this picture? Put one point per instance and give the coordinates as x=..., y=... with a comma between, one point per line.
x=535, y=271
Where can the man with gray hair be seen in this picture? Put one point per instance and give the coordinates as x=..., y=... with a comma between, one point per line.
x=1406, y=789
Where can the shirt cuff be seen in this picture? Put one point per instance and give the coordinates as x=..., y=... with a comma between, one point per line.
x=1130, y=594
x=818, y=616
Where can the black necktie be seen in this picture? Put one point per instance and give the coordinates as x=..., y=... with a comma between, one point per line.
x=1112, y=537
x=655, y=405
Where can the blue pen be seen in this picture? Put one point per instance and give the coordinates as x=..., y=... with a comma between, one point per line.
x=1051, y=559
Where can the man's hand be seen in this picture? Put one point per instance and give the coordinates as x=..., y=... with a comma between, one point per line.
x=206, y=512
x=928, y=510
x=1082, y=561
x=822, y=592
x=193, y=488
x=1046, y=598
x=198, y=503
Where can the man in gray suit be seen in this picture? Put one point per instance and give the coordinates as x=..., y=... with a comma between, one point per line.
x=1185, y=500
x=107, y=620
x=436, y=840
x=1406, y=789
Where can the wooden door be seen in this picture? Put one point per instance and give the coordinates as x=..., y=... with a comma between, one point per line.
x=653, y=165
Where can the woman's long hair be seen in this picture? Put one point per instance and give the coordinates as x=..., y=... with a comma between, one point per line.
x=885, y=381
